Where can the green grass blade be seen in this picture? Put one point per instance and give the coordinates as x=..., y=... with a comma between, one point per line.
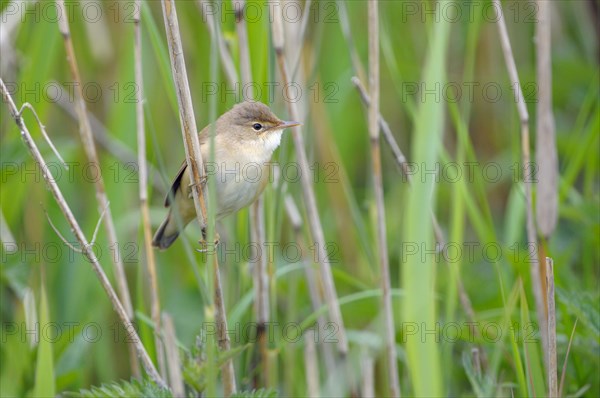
x=418, y=278
x=44, y=369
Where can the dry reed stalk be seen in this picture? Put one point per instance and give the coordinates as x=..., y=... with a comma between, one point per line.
x=347, y=32
x=262, y=282
x=261, y=285
x=85, y=131
x=209, y=17
x=143, y=189
x=311, y=279
x=86, y=249
x=368, y=375
x=374, y=117
x=545, y=155
x=307, y=188
x=194, y=161
x=526, y=159
x=311, y=364
x=172, y=357
x=242, y=34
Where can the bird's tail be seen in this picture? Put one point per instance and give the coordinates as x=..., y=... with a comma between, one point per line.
x=166, y=234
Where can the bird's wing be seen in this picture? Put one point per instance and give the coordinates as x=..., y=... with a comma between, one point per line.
x=175, y=185
x=203, y=138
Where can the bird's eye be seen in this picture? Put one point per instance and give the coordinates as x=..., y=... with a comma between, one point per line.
x=257, y=126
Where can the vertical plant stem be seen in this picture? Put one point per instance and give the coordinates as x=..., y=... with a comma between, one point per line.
x=261, y=286
x=314, y=220
x=82, y=240
x=85, y=131
x=546, y=157
x=257, y=220
x=388, y=316
x=173, y=361
x=208, y=15
x=368, y=375
x=311, y=279
x=545, y=154
x=195, y=165
x=552, y=361
x=242, y=34
x=143, y=190
x=186, y=111
x=347, y=32
x=526, y=159
x=311, y=364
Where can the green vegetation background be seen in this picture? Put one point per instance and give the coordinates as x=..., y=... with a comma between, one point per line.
x=335, y=130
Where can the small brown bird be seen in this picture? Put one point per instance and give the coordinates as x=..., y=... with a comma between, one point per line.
x=245, y=138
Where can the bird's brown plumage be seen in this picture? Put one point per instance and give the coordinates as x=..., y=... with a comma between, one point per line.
x=237, y=144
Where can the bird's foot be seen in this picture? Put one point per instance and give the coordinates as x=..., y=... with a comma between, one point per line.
x=192, y=184
x=206, y=246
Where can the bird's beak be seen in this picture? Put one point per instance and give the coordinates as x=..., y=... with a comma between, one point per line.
x=285, y=125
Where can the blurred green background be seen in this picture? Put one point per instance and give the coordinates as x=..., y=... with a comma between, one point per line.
x=478, y=210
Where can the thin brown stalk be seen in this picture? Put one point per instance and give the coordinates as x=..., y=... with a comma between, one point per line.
x=374, y=117
x=387, y=132
x=368, y=375
x=226, y=59
x=545, y=155
x=172, y=355
x=311, y=278
x=551, y=349
x=307, y=188
x=311, y=364
x=262, y=282
x=189, y=129
x=85, y=131
x=346, y=31
x=526, y=159
x=242, y=34
x=261, y=286
x=189, y=132
x=143, y=189
x=302, y=32
x=82, y=240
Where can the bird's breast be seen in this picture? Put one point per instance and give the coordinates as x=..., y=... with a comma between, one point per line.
x=241, y=175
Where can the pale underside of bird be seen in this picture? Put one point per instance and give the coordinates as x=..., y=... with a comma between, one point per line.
x=245, y=138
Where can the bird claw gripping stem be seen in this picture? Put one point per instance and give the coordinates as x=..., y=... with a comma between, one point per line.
x=204, y=245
